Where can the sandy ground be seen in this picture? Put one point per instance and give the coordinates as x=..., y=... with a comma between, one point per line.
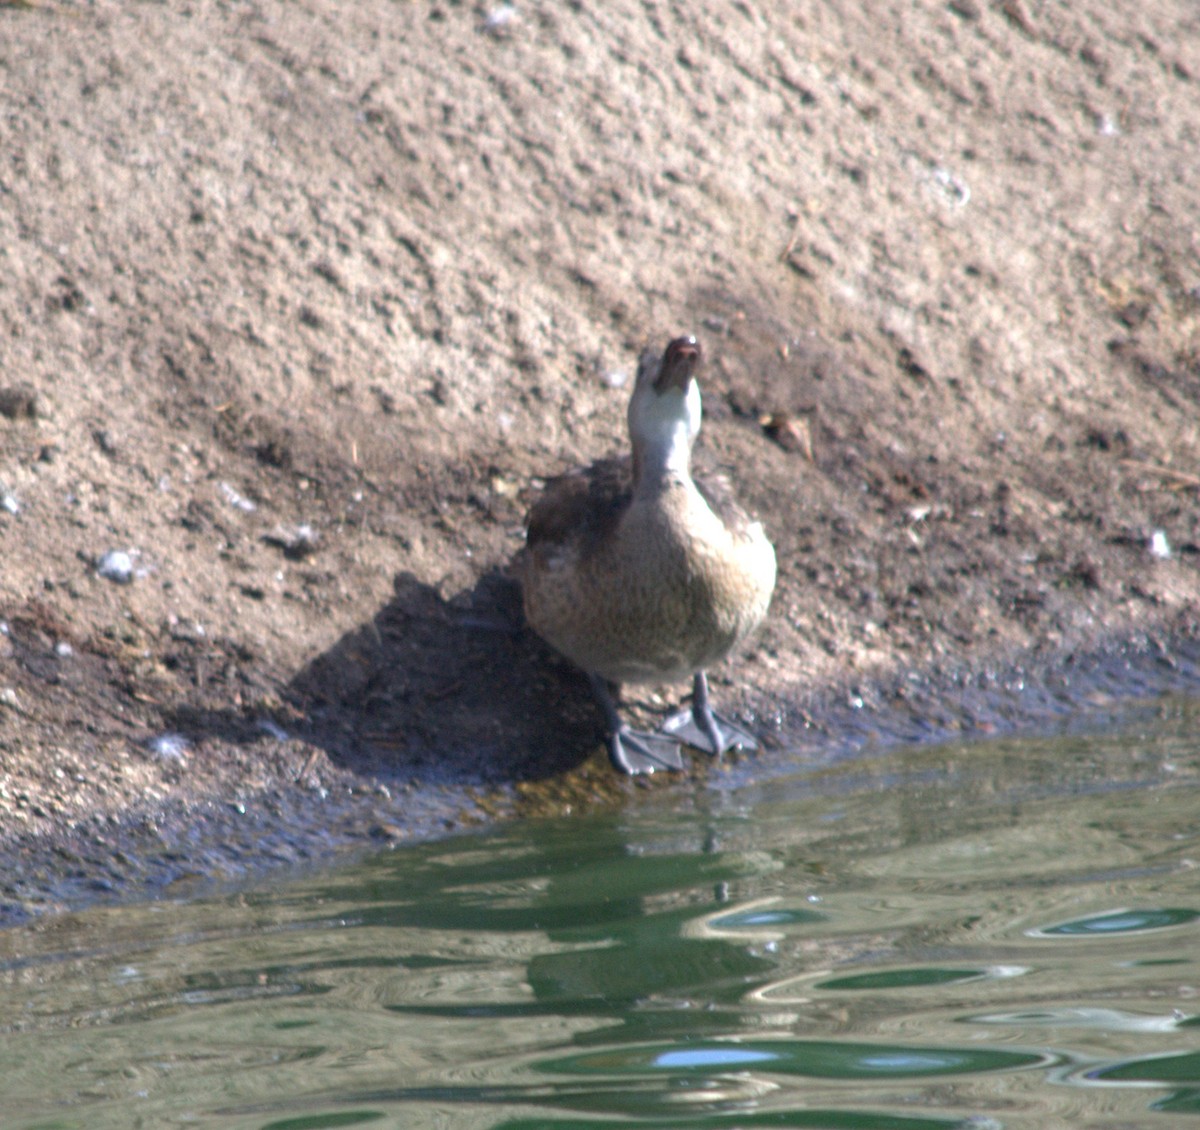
x=298, y=300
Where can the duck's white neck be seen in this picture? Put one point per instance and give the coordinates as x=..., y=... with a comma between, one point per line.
x=663, y=427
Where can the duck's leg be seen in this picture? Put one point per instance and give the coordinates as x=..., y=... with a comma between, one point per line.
x=704, y=728
x=633, y=751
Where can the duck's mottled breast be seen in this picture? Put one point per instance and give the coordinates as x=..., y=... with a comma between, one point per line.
x=640, y=588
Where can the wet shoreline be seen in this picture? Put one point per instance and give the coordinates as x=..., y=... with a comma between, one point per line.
x=206, y=844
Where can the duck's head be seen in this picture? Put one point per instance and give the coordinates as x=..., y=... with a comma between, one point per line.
x=664, y=411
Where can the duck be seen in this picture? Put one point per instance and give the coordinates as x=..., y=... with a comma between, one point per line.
x=638, y=573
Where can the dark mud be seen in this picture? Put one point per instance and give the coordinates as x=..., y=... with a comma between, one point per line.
x=364, y=800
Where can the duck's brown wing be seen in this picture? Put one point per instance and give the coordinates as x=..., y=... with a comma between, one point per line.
x=582, y=506
x=715, y=488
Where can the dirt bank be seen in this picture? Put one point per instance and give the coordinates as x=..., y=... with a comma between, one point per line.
x=297, y=299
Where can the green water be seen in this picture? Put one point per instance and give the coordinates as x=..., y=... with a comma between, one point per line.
x=994, y=935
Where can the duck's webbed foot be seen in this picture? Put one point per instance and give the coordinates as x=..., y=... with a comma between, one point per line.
x=704, y=728
x=634, y=751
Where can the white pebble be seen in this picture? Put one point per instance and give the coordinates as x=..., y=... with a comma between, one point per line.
x=273, y=729
x=953, y=189
x=168, y=747
x=498, y=19
x=1159, y=546
x=116, y=566
x=237, y=500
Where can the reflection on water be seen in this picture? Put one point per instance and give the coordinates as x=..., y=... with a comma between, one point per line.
x=1000, y=935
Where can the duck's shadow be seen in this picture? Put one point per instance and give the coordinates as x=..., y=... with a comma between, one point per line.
x=452, y=691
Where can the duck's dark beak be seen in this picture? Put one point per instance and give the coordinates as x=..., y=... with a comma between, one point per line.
x=679, y=363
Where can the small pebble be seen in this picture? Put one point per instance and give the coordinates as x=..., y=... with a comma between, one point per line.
x=505, y=488
x=791, y=432
x=237, y=500
x=499, y=20
x=389, y=833
x=954, y=190
x=295, y=541
x=1159, y=546
x=116, y=566
x=273, y=729
x=18, y=402
x=105, y=441
x=168, y=747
